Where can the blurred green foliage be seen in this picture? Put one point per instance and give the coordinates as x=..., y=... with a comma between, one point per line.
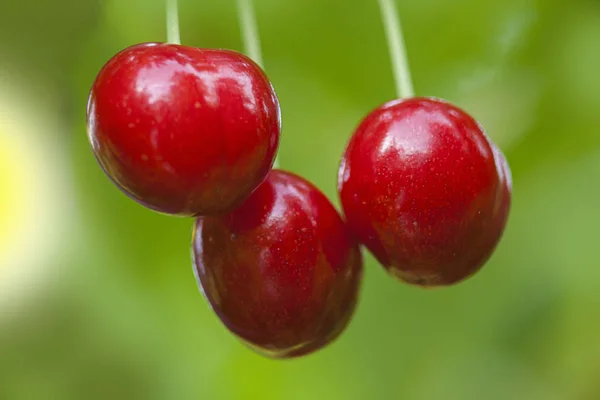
x=125, y=320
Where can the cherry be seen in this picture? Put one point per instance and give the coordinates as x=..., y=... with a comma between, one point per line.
x=281, y=271
x=425, y=190
x=182, y=130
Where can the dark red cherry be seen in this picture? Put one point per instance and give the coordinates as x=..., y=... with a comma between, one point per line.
x=182, y=130
x=281, y=271
x=425, y=190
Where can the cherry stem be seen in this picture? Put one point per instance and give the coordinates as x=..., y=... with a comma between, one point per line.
x=397, y=48
x=251, y=39
x=250, y=34
x=172, y=22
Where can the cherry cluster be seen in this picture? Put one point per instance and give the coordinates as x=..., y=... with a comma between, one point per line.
x=194, y=132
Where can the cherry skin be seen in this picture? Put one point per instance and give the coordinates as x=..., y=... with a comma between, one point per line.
x=182, y=130
x=425, y=190
x=282, y=271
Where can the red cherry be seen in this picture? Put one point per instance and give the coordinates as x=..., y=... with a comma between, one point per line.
x=281, y=271
x=425, y=190
x=182, y=130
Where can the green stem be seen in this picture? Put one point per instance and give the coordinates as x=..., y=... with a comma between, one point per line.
x=251, y=38
x=250, y=34
x=397, y=48
x=172, y=22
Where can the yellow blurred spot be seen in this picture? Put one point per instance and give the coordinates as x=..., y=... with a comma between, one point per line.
x=13, y=190
x=33, y=197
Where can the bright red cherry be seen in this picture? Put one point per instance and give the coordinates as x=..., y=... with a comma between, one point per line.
x=281, y=271
x=182, y=130
x=425, y=190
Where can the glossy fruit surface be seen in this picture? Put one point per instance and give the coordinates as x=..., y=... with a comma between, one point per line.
x=182, y=130
x=281, y=271
x=425, y=190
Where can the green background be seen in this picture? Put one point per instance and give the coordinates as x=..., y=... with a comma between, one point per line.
x=112, y=310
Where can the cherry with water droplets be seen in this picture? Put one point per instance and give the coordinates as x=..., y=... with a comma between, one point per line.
x=281, y=271
x=182, y=130
x=425, y=190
